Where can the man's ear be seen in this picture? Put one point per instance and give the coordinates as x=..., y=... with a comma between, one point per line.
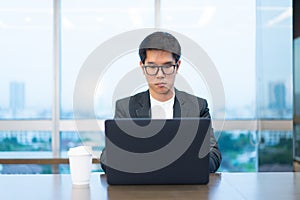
x=178, y=65
x=141, y=65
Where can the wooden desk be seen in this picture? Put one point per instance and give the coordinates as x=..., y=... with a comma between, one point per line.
x=221, y=186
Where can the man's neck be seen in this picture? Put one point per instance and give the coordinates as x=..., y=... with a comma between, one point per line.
x=164, y=96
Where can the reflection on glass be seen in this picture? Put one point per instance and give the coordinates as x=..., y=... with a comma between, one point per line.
x=276, y=151
x=238, y=151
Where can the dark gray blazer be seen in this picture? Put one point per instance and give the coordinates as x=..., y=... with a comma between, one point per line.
x=185, y=106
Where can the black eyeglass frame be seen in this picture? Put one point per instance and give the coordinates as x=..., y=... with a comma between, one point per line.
x=162, y=67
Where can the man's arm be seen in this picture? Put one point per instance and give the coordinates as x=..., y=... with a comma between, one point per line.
x=119, y=113
x=215, y=154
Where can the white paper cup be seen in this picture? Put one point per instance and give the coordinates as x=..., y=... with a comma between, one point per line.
x=80, y=160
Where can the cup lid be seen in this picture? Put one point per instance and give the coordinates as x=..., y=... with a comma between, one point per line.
x=80, y=151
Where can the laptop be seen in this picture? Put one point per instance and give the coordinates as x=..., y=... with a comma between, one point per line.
x=157, y=151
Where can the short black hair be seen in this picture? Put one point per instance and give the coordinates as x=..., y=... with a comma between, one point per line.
x=160, y=41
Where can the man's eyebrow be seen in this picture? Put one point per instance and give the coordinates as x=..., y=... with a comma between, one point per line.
x=153, y=63
x=169, y=62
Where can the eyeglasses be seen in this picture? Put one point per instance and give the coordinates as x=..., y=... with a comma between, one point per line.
x=168, y=69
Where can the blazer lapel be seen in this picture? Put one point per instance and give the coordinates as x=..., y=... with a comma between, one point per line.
x=143, y=106
x=181, y=108
x=176, y=108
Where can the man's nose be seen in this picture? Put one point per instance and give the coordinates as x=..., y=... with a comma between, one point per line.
x=160, y=72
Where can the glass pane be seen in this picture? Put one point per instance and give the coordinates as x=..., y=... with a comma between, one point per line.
x=297, y=141
x=25, y=169
x=274, y=59
x=86, y=25
x=297, y=77
x=239, y=152
x=26, y=59
x=226, y=32
x=69, y=139
x=114, y=77
x=25, y=144
x=276, y=151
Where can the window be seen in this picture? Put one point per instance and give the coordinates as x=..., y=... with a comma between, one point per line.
x=26, y=55
x=25, y=81
x=226, y=32
x=249, y=43
x=85, y=26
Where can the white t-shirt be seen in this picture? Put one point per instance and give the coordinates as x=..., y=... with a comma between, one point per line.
x=162, y=110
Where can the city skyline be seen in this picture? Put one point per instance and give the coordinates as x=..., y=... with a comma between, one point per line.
x=277, y=103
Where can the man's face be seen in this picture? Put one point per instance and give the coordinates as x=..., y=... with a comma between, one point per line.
x=161, y=85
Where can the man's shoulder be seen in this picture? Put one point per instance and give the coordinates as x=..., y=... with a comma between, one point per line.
x=186, y=95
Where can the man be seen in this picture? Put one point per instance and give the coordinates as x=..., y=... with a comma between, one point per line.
x=160, y=60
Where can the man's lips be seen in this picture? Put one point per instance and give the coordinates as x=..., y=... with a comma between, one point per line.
x=160, y=84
